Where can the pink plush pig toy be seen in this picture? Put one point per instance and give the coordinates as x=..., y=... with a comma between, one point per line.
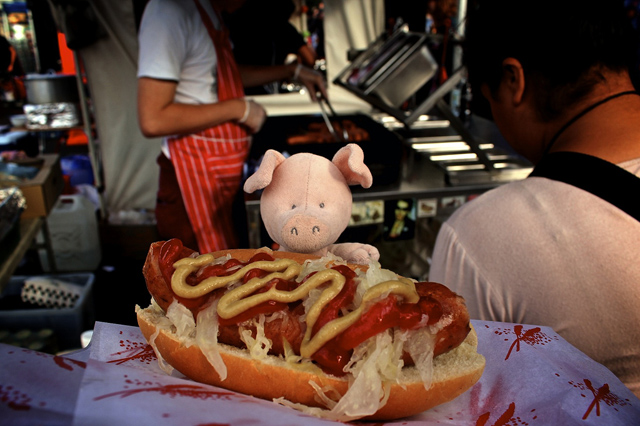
x=306, y=202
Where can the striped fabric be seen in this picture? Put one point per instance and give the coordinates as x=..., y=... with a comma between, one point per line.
x=209, y=164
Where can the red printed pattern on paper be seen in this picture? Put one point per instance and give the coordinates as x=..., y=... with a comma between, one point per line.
x=506, y=418
x=183, y=390
x=214, y=424
x=140, y=351
x=67, y=363
x=485, y=407
x=14, y=399
x=18, y=401
x=533, y=336
x=601, y=394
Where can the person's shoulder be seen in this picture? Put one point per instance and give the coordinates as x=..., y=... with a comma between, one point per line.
x=177, y=17
x=173, y=5
x=172, y=9
x=496, y=198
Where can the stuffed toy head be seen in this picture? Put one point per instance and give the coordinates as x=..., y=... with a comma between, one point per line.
x=306, y=202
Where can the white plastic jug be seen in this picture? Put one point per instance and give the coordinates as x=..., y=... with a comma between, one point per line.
x=73, y=228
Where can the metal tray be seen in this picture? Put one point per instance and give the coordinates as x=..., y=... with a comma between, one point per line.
x=390, y=71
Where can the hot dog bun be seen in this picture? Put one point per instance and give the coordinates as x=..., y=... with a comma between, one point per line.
x=273, y=377
x=454, y=373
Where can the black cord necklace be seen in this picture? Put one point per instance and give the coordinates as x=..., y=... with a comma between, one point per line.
x=583, y=112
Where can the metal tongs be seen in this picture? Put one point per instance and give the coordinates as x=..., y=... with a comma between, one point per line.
x=322, y=100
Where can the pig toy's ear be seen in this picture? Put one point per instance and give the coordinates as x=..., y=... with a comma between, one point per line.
x=262, y=177
x=350, y=161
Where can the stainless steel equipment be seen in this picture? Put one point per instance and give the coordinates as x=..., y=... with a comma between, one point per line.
x=51, y=88
x=60, y=115
x=391, y=69
x=52, y=101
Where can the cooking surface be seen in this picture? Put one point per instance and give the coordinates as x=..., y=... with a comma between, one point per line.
x=383, y=149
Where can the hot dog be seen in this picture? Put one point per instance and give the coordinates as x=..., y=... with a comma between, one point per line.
x=315, y=334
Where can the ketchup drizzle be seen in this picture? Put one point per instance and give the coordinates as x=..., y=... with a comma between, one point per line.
x=336, y=353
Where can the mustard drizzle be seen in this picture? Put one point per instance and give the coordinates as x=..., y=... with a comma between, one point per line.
x=240, y=299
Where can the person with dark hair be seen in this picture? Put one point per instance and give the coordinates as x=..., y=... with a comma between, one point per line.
x=7, y=56
x=11, y=73
x=262, y=34
x=562, y=247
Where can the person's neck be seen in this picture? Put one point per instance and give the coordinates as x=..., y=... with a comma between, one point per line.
x=611, y=131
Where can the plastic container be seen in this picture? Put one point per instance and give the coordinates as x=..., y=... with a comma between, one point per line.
x=68, y=324
x=74, y=232
x=78, y=168
x=18, y=120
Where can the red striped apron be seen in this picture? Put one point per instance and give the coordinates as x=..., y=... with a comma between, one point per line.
x=209, y=164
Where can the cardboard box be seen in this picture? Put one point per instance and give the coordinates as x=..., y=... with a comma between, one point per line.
x=67, y=323
x=43, y=190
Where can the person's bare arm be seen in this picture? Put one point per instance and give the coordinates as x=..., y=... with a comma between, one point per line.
x=256, y=75
x=159, y=115
x=14, y=54
x=307, y=55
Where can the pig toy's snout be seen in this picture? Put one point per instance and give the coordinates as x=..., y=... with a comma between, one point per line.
x=305, y=234
x=315, y=230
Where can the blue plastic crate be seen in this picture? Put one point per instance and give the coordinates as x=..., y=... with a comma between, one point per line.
x=67, y=323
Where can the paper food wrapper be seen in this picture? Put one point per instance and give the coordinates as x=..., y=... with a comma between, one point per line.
x=532, y=377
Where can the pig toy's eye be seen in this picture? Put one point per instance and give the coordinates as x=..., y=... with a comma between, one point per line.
x=322, y=205
x=293, y=206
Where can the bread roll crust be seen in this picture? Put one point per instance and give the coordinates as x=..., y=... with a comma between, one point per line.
x=454, y=373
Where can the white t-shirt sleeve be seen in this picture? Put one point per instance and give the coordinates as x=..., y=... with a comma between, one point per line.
x=162, y=51
x=174, y=45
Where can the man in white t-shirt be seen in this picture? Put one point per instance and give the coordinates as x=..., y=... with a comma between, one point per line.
x=191, y=92
x=543, y=251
